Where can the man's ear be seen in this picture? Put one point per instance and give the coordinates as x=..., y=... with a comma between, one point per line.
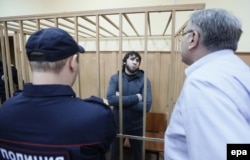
x=73, y=62
x=193, y=40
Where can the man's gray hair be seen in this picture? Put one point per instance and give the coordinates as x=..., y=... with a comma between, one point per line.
x=218, y=28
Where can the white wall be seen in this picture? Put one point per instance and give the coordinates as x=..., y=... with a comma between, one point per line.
x=27, y=7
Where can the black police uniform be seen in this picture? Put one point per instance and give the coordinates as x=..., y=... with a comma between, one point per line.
x=49, y=122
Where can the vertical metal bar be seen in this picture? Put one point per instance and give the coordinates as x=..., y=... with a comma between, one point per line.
x=4, y=60
x=77, y=82
x=98, y=55
x=2, y=43
x=56, y=22
x=145, y=81
x=24, y=61
x=18, y=59
x=38, y=24
x=9, y=90
x=120, y=87
x=171, y=74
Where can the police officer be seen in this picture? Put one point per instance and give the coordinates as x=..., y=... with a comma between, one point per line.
x=46, y=120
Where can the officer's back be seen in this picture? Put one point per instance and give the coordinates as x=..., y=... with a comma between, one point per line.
x=46, y=120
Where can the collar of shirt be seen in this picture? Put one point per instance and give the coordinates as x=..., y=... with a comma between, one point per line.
x=53, y=90
x=206, y=59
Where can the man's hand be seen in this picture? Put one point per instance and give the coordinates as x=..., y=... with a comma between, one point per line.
x=117, y=93
x=139, y=97
x=105, y=101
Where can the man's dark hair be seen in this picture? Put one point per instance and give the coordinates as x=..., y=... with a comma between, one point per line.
x=131, y=53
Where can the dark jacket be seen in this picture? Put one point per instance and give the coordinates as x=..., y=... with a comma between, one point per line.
x=50, y=122
x=132, y=108
x=2, y=83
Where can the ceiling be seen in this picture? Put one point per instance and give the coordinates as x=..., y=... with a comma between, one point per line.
x=131, y=23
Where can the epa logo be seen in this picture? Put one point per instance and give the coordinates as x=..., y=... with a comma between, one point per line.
x=238, y=153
